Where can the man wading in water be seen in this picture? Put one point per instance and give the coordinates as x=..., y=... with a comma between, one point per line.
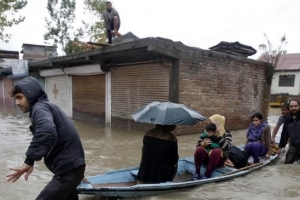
x=291, y=130
x=54, y=138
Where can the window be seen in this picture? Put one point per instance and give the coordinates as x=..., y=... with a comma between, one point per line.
x=286, y=80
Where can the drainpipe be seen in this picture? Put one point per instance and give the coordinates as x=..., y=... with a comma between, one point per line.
x=70, y=96
x=108, y=98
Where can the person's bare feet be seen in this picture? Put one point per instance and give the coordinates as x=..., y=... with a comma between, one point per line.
x=229, y=163
x=85, y=180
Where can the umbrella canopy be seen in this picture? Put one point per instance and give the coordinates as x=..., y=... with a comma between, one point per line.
x=167, y=113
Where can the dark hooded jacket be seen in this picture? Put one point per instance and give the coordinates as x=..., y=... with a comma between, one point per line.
x=54, y=136
x=291, y=129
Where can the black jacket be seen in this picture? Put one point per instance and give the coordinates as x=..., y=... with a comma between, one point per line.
x=159, y=157
x=54, y=135
x=291, y=129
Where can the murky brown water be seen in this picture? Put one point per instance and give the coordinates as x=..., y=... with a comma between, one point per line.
x=113, y=148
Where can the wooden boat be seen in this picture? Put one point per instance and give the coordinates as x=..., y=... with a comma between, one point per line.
x=122, y=183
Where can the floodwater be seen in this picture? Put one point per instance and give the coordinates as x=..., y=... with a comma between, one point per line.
x=113, y=148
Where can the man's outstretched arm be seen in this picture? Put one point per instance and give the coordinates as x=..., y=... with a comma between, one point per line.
x=18, y=172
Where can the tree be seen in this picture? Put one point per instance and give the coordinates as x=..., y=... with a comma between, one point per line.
x=75, y=45
x=95, y=31
x=272, y=55
x=8, y=9
x=61, y=19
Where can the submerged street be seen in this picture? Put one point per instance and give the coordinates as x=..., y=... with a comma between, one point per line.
x=113, y=148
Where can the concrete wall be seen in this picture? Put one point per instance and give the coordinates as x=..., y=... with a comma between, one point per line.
x=291, y=90
x=34, y=52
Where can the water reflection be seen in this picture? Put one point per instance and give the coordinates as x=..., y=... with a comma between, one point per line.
x=113, y=148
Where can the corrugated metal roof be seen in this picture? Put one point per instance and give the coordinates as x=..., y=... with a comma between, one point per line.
x=9, y=54
x=289, y=62
x=286, y=61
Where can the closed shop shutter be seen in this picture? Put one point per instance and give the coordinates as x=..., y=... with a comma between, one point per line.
x=6, y=87
x=89, y=97
x=136, y=86
x=58, y=91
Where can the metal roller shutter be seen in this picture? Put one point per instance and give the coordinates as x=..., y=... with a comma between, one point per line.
x=5, y=89
x=58, y=91
x=136, y=86
x=89, y=97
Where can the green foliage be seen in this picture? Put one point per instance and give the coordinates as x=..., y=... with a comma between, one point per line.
x=74, y=46
x=95, y=31
x=61, y=19
x=271, y=55
x=8, y=9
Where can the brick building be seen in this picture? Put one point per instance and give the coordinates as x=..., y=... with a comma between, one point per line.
x=135, y=73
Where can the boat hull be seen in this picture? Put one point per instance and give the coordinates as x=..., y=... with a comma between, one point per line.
x=122, y=183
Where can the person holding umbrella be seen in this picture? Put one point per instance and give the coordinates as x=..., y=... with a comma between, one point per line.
x=217, y=157
x=160, y=148
x=159, y=155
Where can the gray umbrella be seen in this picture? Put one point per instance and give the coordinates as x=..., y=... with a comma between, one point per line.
x=167, y=113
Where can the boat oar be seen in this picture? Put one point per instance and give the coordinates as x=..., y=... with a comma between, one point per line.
x=243, y=168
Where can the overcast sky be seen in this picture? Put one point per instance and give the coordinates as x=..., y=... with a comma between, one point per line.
x=196, y=23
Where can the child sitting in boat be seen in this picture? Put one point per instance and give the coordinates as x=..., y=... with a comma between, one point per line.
x=211, y=137
x=258, y=142
x=212, y=155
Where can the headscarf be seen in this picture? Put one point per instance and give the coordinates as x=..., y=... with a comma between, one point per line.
x=255, y=132
x=219, y=121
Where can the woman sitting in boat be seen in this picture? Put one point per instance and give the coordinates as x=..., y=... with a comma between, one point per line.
x=258, y=142
x=159, y=155
x=216, y=157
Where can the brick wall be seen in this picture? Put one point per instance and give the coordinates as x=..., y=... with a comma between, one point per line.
x=216, y=83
